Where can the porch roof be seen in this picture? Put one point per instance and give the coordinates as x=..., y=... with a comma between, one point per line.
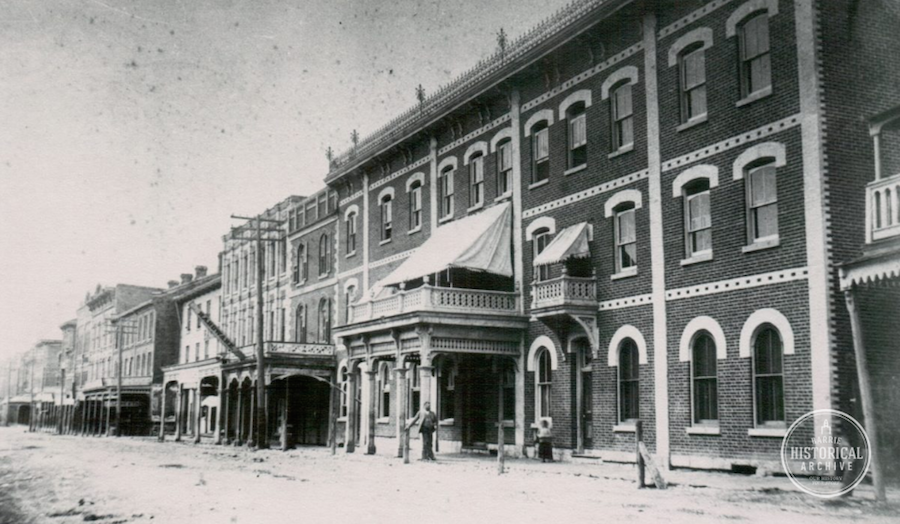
x=571, y=242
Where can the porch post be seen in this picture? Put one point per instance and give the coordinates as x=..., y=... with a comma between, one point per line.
x=401, y=406
x=239, y=429
x=222, y=419
x=108, y=415
x=162, y=415
x=179, y=416
x=500, y=440
x=371, y=372
x=284, y=416
x=225, y=415
x=334, y=405
x=865, y=392
x=199, y=412
x=579, y=401
x=350, y=445
x=251, y=441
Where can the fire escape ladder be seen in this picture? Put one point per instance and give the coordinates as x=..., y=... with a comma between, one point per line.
x=216, y=331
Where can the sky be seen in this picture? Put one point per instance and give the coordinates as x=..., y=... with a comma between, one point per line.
x=130, y=131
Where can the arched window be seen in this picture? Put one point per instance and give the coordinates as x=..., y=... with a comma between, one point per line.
x=625, y=238
x=349, y=298
x=414, y=390
x=448, y=390
x=324, y=321
x=629, y=381
x=387, y=217
x=692, y=77
x=704, y=378
x=446, y=191
x=697, y=218
x=544, y=382
x=762, y=202
x=415, y=206
x=300, y=324
x=622, y=116
x=324, y=255
x=351, y=233
x=384, y=378
x=476, y=180
x=768, y=376
x=755, y=64
x=301, y=271
x=541, y=240
x=540, y=152
x=577, y=135
x=504, y=167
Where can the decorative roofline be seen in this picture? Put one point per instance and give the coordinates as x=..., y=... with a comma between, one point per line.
x=442, y=99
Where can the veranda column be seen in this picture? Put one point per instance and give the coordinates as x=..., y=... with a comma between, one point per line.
x=162, y=416
x=179, y=415
x=401, y=407
x=371, y=372
x=350, y=445
x=108, y=415
x=198, y=414
x=239, y=429
x=251, y=440
x=221, y=411
x=225, y=416
x=284, y=417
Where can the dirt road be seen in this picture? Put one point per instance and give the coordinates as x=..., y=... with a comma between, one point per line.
x=62, y=479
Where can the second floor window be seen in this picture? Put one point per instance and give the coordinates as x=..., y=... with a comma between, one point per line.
x=540, y=153
x=324, y=321
x=300, y=324
x=626, y=239
x=504, y=167
x=476, y=180
x=541, y=240
x=692, y=65
x=351, y=233
x=446, y=192
x=324, y=255
x=756, y=72
x=415, y=206
x=762, y=199
x=387, y=218
x=577, y=131
x=622, y=117
x=697, y=222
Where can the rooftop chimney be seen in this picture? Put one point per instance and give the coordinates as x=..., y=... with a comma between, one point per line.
x=200, y=271
x=172, y=283
x=186, y=277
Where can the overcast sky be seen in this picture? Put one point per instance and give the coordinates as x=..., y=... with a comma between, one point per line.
x=131, y=130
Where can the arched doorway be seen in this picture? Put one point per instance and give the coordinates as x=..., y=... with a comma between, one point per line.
x=209, y=404
x=23, y=415
x=170, y=404
x=583, y=404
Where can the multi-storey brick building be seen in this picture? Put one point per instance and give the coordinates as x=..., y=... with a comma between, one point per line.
x=626, y=214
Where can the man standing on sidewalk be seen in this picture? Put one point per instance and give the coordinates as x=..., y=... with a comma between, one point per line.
x=427, y=424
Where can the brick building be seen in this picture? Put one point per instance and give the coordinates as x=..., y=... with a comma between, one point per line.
x=627, y=214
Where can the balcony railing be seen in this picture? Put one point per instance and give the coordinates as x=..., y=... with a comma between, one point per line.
x=883, y=204
x=564, y=291
x=292, y=348
x=438, y=299
x=136, y=381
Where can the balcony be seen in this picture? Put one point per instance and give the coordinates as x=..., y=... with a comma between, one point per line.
x=438, y=300
x=883, y=209
x=287, y=348
x=564, y=292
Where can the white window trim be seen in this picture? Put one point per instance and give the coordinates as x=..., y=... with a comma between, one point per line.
x=745, y=10
x=766, y=316
x=501, y=135
x=626, y=331
x=416, y=177
x=707, y=171
x=583, y=95
x=477, y=147
x=545, y=342
x=629, y=73
x=701, y=34
x=774, y=150
x=628, y=195
x=541, y=223
x=450, y=161
x=702, y=323
x=544, y=115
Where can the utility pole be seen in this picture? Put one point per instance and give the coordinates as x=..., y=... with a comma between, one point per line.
x=118, y=332
x=260, y=418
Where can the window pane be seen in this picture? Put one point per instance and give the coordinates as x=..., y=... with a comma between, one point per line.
x=760, y=73
x=762, y=185
x=626, y=227
x=542, y=150
x=577, y=131
x=623, y=102
x=697, y=101
x=694, y=69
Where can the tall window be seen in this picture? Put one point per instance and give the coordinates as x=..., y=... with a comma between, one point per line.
x=540, y=152
x=622, y=117
x=385, y=379
x=692, y=66
x=349, y=297
x=189, y=312
x=544, y=383
x=281, y=325
x=414, y=391
x=282, y=256
x=324, y=321
x=697, y=222
x=448, y=390
x=351, y=233
x=386, y=218
x=300, y=324
x=703, y=375
x=756, y=69
x=303, y=261
x=768, y=377
x=504, y=167
x=762, y=197
x=541, y=241
x=625, y=237
x=446, y=190
x=577, y=135
x=476, y=180
x=629, y=383
x=415, y=205
x=324, y=255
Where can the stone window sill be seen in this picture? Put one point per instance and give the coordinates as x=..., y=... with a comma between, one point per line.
x=624, y=149
x=753, y=97
x=703, y=430
x=507, y=424
x=625, y=273
x=383, y=420
x=699, y=257
x=474, y=208
x=759, y=245
x=696, y=121
x=539, y=184
x=385, y=241
x=447, y=422
x=575, y=169
x=504, y=196
x=624, y=428
x=350, y=254
x=767, y=432
x=414, y=230
x=447, y=218
x=342, y=419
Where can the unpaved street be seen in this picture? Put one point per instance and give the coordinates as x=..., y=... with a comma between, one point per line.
x=61, y=479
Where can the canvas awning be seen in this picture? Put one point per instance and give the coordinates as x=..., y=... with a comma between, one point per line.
x=479, y=242
x=571, y=242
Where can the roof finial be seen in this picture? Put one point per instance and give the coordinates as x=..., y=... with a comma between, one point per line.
x=329, y=154
x=420, y=94
x=502, y=41
x=354, y=137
